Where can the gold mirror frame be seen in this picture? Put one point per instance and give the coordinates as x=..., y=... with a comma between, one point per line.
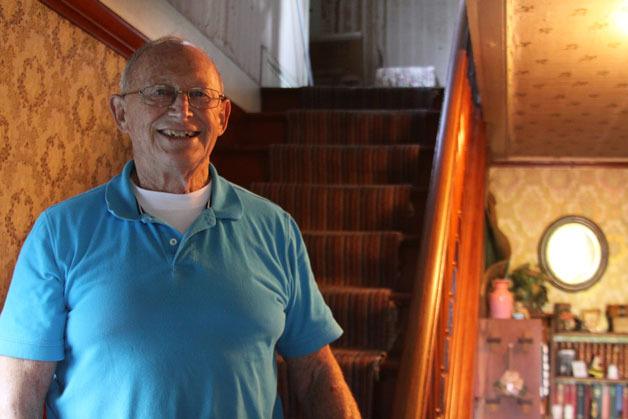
x=573, y=252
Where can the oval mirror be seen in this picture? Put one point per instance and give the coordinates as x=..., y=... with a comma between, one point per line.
x=573, y=252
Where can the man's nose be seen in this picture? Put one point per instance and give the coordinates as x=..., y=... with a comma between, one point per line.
x=181, y=104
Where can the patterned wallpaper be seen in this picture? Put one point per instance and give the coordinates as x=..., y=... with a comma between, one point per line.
x=58, y=138
x=567, y=84
x=529, y=199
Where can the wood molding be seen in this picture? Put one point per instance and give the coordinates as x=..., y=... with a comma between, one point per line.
x=100, y=22
x=487, y=28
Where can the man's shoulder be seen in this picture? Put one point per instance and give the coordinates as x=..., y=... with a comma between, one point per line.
x=84, y=201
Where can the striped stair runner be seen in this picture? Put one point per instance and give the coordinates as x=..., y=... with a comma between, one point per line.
x=342, y=207
x=362, y=127
x=278, y=99
x=355, y=179
x=368, y=316
x=353, y=164
x=355, y=258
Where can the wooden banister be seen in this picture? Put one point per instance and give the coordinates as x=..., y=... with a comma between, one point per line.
x=437, y=365
x=459, y=390
x=99, y=21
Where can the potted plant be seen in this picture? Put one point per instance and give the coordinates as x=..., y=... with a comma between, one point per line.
x=528, y=287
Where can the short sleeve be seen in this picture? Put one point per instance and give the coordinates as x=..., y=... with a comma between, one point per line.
x=310, y=324
x=32, y=321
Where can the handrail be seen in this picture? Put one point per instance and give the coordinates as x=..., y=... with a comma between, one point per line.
x=460, y=382
x=417, y=381
x=99, y=21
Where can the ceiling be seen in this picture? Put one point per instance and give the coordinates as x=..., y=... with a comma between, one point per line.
x=553, y=78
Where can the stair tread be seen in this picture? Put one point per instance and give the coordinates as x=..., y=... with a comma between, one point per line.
x=354, y=289
x=352, y=97
x=367, y=315
x=325, y=126
x=350, y=164
x=361, y=259
x=351, y=147
x=360, y=112
x=406, y=237
x=402, y=186
x=344, y=207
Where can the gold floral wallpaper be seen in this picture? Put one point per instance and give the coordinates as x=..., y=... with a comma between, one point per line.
x=57, y=137
x=567, y=70
x=530, y=198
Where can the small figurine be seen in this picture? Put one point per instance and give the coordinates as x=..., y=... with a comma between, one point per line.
x=596, y=369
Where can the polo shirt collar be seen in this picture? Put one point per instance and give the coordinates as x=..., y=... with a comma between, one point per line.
x=122, y=203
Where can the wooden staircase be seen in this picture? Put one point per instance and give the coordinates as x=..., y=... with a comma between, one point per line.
x=352, y=165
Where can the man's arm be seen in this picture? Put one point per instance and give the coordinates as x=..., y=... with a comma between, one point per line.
x=320, y=386
x=23, y=387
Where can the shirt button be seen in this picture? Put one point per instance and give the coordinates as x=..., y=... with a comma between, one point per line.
x=173, y=242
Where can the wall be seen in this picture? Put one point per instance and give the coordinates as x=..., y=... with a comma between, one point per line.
x=530, y=198
x=396, y=32
x=57, y=137
x=266, y=38
x=157, y=18
x=254, y=43
x=420, y=32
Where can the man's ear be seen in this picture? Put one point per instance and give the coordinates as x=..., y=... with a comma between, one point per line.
x=224, y=116
x=118, y=110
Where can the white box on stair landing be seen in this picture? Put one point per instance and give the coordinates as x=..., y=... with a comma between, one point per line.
x=406, y=76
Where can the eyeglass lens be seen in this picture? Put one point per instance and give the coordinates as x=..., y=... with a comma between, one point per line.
x=165, y=95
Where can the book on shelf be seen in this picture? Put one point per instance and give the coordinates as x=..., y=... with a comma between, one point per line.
x=596, y=401
x=580, y=399
x=591, y=399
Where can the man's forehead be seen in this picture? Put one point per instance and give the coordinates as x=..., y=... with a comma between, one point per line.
x=175, y=60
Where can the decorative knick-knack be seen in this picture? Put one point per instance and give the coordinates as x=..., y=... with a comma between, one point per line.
x=500, y=300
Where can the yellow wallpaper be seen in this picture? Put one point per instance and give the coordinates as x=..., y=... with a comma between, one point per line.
x=529, y=199
x=57, y=137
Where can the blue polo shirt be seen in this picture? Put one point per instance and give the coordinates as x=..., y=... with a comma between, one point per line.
x=146, y=322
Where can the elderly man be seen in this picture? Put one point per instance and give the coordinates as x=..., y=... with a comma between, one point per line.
x=166, y=292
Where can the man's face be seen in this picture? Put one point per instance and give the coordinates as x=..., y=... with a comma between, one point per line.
x=177, y=138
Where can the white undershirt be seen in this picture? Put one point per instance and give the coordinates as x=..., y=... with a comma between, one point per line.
x=177, y=210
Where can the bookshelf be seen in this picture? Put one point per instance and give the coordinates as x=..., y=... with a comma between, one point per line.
x=589, y=397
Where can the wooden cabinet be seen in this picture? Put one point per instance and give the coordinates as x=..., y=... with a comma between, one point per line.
x=514, y=345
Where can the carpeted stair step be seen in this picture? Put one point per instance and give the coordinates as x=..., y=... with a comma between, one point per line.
x=282, y=99
x=350, y=164
x=361, y=370
x=362, y=127
x=368, y=316
x=346, y=207
x=356, y=258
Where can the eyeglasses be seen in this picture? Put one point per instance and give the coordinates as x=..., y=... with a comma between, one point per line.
x=164, y=95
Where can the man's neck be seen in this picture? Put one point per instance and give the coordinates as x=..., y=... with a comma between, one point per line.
x=178, y=183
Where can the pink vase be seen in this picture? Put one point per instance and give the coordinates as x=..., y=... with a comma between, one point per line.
x=500, y=300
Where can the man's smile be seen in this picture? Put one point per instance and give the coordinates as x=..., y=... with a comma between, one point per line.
x=175, y=133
